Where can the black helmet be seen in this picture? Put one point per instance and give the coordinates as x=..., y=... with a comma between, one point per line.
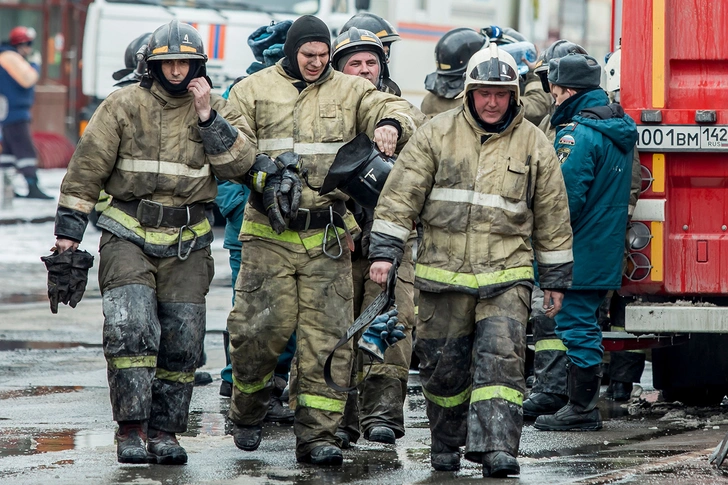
x=359, y=40
x=175, y=40
x=133, y=69
x=373, y=23
x=455, y=48
x=359, y=170
x=557, y=50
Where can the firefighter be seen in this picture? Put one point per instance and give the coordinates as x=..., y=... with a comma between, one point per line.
x=445, y=85
x=487, y=187
x=295, y=273
x=595, y=149
x=266, y=42
x=549, y=392
x=18, y=77
x=156, y=147
x=380, y=413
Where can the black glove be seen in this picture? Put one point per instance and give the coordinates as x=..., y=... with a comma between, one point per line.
x=291, y=185
x=271, y=197
x=67, y=276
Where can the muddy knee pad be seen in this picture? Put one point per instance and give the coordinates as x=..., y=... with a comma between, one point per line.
x=130, y=342
x=182, y=334
x=495, y=418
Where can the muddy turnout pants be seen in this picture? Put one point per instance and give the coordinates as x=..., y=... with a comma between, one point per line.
x=472, y=356
x=277, y=292
x=154, y=327
x=549, y=363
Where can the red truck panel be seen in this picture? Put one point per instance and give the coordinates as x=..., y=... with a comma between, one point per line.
x=675, y=60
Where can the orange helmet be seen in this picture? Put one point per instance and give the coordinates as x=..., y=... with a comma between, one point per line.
x=22, y=35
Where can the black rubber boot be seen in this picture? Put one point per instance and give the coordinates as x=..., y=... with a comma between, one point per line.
x=345, y=439
x=500, y=464
x=34, y=192
x=618, y=391
x=278, y=412
x=381, y=434
x=247, y=438
x=202, y=379
x=444, y=458
x=541, y=403
x=226, y=389
x=165, y=448
x=325, y=455
x=581, y=412
x=130, y=446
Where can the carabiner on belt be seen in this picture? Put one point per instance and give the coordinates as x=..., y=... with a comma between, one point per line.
x=179, y=238
x=326, y=234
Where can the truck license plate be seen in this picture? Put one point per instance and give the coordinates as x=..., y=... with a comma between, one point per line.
x=682, y=138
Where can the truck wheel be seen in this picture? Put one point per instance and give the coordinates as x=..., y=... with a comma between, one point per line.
x=695, y=373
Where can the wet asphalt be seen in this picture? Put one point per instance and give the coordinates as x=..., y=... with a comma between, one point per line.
x=55, y=416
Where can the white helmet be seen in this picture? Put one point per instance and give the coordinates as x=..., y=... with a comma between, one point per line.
x=492, y=66
x=613, y=70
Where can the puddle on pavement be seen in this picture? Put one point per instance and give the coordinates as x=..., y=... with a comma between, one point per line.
x=36, y=345
x=38, y=391
x=15, y=442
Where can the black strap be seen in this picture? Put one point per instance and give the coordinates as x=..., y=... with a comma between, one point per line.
x=307, y=219
x=154, y=214
x=380, y=304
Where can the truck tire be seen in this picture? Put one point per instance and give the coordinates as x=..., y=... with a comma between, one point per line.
x=695, y=373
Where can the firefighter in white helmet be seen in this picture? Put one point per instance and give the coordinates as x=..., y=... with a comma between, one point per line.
x=488, y=189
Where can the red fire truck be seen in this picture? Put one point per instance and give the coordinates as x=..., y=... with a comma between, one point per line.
x=674, y=84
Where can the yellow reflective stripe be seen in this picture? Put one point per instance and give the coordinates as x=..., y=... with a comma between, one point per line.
x=469, y=280
x=153, y=237
x=133, y=361
x=164, y=168
x=320, y=402
x=265, y=231
x=251, y=388
x=168, y=375
x=656, y=246
x=448, y=402
x=497, y=392
x=76, y=203
x=658, y=53
x=617, y=329
x=550, y=344
x=658, y=173
x=477, y=198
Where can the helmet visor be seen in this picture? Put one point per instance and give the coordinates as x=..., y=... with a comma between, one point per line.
x=493, y=70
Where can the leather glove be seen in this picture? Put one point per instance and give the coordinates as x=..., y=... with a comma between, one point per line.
x=67, y=276
x=291, y=185
x=271, y=194
x=383, y=332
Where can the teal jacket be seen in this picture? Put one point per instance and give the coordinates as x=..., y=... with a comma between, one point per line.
x=595, y=149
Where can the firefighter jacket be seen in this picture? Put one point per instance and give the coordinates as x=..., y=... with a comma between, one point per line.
x=143, y=144
x=596, y=151
x=536, y=102
x=487, y=202
x=313, y=123
x=433, y=105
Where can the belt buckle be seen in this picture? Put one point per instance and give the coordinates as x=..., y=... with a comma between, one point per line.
x=308, y=218
x=150, y=213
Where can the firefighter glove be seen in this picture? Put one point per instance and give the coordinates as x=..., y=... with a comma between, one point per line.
x=289, y=164
x=383, y=332
x=271, y=198
x=67, y=276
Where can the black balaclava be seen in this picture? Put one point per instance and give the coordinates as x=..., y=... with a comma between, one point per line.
x=306, y=29
x=197, y=69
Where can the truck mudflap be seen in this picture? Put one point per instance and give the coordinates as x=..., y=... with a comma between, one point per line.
x=676, y=318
